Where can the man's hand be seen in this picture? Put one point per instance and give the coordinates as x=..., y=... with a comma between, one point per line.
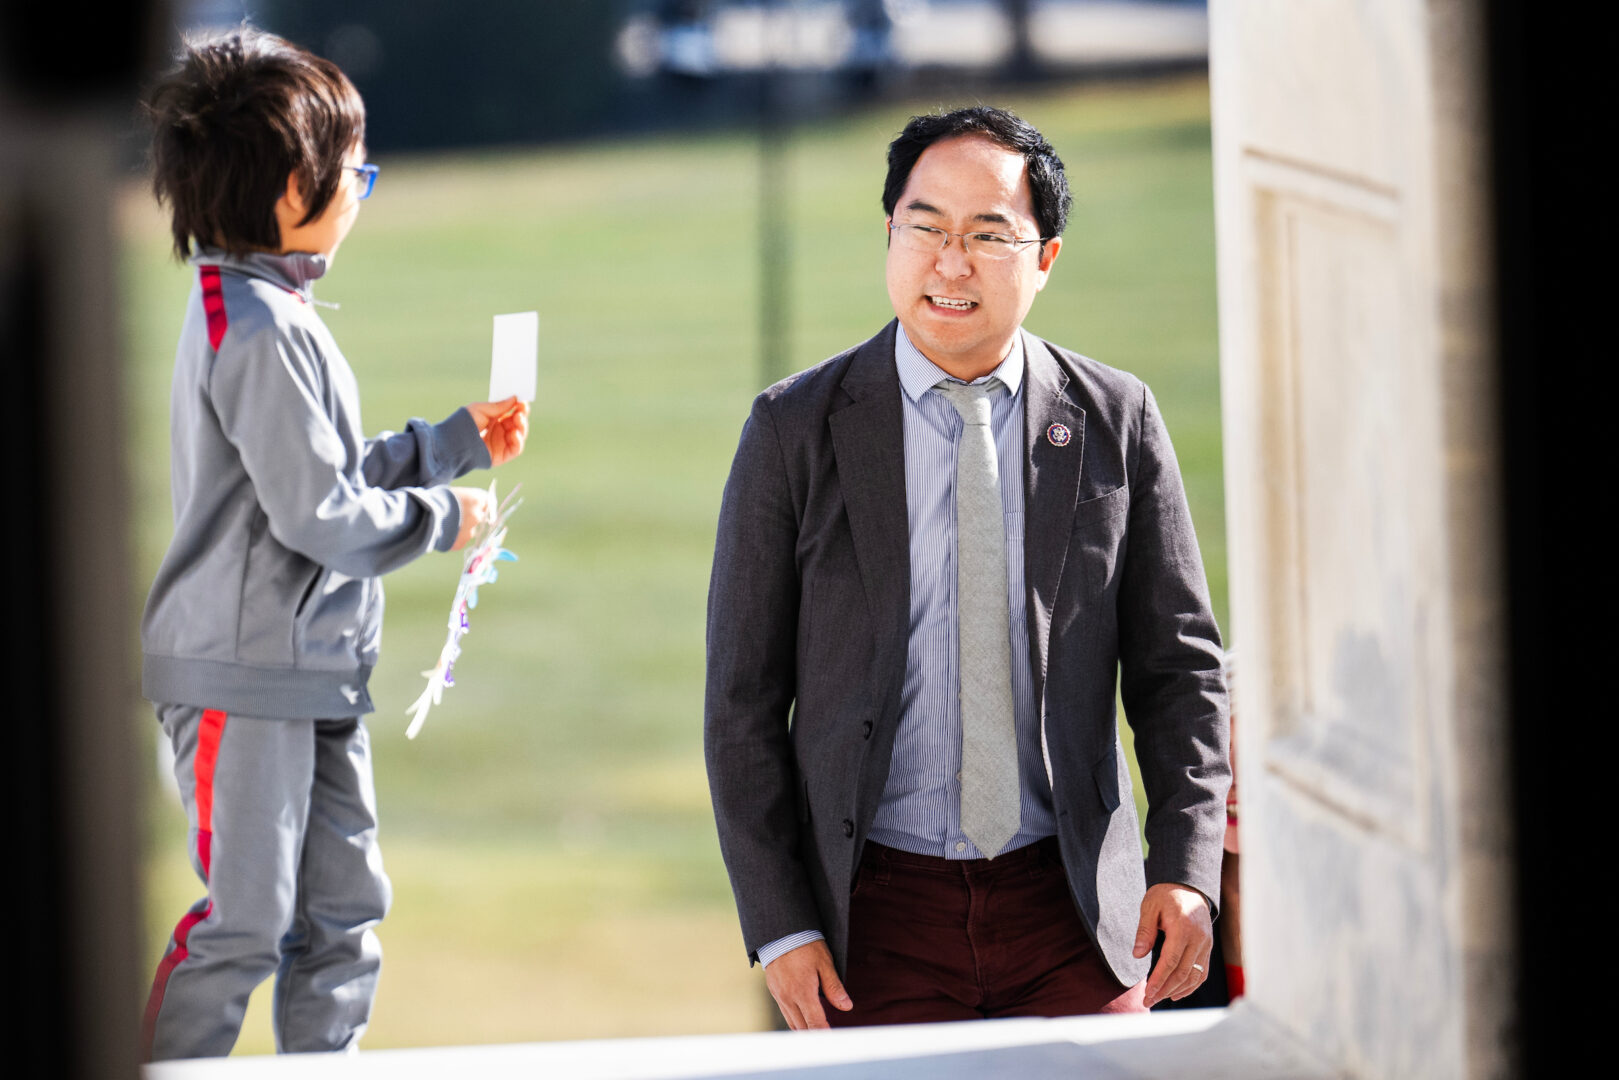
x=503, y=426
x=476, y=508
x=1182, y=914
x=799, y=978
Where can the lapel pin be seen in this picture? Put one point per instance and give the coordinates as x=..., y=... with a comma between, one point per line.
x=1058, y=434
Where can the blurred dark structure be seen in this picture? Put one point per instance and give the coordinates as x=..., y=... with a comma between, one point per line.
x=440, y=74
x=871, y=52
x=1022, y=63
x=66, y=93
x=1552, y=208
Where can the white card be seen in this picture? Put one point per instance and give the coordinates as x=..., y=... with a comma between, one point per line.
x=514, y=363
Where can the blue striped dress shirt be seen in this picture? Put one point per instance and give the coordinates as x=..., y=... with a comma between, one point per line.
x=920, y=810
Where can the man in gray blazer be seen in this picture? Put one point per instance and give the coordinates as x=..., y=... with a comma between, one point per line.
x=921, y=797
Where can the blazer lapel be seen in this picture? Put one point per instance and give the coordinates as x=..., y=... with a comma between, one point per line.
x=868, y=441
x=1051, y=474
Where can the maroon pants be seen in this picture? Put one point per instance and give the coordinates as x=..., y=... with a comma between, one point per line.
x=936, y=939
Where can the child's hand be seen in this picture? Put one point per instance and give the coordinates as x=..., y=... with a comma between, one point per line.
x=503, y=425
x=476, y=508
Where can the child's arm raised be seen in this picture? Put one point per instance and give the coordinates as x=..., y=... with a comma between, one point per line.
x=273, y=396
x=426, y=454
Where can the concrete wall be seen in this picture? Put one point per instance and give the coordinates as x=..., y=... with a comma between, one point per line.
x=1363, y=527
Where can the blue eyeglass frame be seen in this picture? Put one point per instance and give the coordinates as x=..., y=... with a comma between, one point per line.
x=368, y=179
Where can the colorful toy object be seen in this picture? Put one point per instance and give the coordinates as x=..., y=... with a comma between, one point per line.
x=484, y=551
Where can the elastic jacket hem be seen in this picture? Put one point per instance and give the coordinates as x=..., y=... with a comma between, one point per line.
x=282, y=693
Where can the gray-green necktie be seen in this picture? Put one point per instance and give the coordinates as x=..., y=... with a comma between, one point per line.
x=990, y=802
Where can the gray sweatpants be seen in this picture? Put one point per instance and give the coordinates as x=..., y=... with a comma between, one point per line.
x=283, y=832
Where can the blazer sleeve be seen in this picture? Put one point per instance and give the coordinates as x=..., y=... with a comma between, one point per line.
x=1170, y=669
x=753, y=601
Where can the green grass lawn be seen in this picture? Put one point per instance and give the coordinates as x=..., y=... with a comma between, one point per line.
x=554, y=859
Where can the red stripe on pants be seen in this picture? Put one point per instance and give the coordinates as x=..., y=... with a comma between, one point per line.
x=202, y=767
x=213, y=726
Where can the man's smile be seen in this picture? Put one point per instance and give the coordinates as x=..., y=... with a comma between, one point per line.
x=951, y=303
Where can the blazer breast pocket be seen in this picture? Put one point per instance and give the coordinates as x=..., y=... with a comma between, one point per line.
x=1098, y=539
x=1102, y=508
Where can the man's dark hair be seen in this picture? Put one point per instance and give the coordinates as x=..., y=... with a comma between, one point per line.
x=235, y=116
x=1048, y=184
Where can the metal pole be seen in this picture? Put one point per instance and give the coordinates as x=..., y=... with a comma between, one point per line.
x=1021, y=64
x=775, y=224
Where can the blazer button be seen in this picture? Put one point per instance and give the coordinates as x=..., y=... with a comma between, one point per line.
x=865, y=729
x=848, y=827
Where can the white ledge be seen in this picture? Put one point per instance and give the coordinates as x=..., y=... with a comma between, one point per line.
x=1209, y=1043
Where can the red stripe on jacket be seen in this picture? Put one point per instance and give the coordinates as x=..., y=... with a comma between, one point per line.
x=213, y=304
x=202, y=767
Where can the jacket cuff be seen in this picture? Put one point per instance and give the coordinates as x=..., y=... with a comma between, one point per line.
x=456, y=447
x=448, y=512
x=1201, y=884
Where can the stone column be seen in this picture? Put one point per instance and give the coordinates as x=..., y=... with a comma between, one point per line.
x=1363, y=516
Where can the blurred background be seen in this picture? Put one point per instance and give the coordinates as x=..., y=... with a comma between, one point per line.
x=688, y=193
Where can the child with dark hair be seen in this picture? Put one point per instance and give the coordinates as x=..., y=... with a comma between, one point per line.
x=264, y=620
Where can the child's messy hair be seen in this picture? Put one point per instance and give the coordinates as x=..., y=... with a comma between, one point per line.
x=237, y=114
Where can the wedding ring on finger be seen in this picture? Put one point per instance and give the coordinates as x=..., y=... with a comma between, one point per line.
x=1198, y=968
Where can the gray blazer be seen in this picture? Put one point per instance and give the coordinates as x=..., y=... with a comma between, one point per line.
x=808, y=617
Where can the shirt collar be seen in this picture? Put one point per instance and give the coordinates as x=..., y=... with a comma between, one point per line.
x=294, y=271
x=918, y=374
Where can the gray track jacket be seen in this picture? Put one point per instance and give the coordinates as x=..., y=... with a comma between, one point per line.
x=268, y=601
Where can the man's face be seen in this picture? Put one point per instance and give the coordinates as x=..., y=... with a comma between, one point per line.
x=960, y=308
